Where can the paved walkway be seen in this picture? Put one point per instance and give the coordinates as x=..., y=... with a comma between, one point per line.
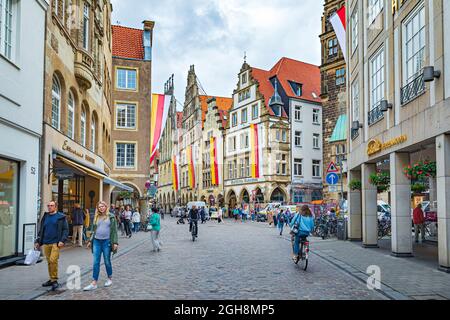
x=24, y=282
x=229, y=261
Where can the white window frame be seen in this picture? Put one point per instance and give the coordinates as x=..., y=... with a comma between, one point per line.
x=86, y=25
x=316, y=116
x=374, y=9
x=333, y=49
x=298, y=113
x=316, y=168
x=8, y=28
x=298, y=167
x=417, y=57
x=234, y=119
x=316, y=141
x=244, y=112
x=255, y=111
x=298, y=138
x=355, y=100
x=56, y=108
x=71, y=116
x=127, y=79
x=125, y=107
x=127, y=154
x=355, y=31
x=377, y=79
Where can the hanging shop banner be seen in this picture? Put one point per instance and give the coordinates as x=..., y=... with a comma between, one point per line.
x=256, y=151
x=191, y=166
x=159, y=113
x=213, y=159
x=175, y=177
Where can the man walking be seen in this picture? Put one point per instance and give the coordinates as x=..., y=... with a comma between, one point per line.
x=53, y=232
x=419, y=220
x=77, y=225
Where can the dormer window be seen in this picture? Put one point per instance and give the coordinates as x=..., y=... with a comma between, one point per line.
x=277, y=110
x=296, y=88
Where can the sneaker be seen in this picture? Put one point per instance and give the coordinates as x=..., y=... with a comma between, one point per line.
x=55, y=285
x=47, y=284
x=90, y=287
x=108, y=283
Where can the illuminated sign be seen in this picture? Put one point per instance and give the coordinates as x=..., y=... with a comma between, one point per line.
x=374, y=146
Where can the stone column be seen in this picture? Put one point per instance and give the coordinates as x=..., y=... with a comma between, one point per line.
x=100, y=190
x=354, y=209
x=369, y=207
x=443, y=199
x=401, y=206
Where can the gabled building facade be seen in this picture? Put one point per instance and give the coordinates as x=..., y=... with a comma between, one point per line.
x=132, y=67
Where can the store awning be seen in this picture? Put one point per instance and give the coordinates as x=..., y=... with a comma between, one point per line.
x=82, y=168
x=117, y=184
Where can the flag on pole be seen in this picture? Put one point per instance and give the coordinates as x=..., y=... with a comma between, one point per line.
x=339, y=25
x=175, y=173
x=256, y=151
x=159, y=113
x=214, y=167
x=191, y=167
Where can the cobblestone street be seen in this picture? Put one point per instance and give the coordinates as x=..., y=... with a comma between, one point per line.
x=229, y=261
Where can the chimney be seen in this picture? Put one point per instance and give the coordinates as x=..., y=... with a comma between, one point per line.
x=148, y=39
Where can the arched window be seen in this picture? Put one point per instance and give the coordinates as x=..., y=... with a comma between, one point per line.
x=56, y=103
x=83, y=128
x=71, y=116
x=93, y=132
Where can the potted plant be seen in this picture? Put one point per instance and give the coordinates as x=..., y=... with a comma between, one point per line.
x=418, y=187
x=381, y=180
x=421, y=170
x=355, y=185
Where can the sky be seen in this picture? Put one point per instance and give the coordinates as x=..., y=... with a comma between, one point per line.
x=214, y=34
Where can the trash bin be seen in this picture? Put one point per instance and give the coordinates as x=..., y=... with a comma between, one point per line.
x=342, y=229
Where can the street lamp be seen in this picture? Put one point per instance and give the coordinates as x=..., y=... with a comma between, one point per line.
x=342, y=164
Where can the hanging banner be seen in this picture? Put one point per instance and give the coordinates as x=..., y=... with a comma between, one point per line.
x=175, y=178
x=159, y=113
x=191, y=167
x=256, y=151
x=214, y=166
x=339, y=25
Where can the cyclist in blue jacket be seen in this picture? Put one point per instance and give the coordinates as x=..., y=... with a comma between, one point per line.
x=305, y=222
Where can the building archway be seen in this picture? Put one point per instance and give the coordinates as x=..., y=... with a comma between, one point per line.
x=259, y=196
x=232, y=200
x=203, y=199
x=211, y=200
x=245, y=196
x=278, y=196
x=220, y=200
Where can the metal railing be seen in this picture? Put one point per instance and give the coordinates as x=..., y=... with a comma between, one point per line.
x=375, y=115
x=413, y=89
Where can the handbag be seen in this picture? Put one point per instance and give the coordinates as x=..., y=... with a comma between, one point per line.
x=295, y=227
x=149, y=227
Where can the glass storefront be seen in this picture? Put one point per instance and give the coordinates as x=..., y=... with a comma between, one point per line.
x=9, y=183
x=67, y=191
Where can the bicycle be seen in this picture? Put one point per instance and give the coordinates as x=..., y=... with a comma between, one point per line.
x=194, y=231
x=384, y=228
x=303, y=257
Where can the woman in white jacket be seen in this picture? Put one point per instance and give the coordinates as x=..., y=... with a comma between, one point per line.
x=136, y=218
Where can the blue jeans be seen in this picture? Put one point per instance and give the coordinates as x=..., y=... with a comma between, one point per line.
x=99, y=247
x=136, y=226
x=280, y=227
x=297, y=239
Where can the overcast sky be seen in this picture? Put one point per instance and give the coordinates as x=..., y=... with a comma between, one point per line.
x=213, y=35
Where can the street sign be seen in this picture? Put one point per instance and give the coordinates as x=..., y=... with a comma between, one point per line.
x=332, y=178
x=332, y=167
x=332, y=189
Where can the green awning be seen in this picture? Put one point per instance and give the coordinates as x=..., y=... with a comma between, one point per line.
x=340, y=131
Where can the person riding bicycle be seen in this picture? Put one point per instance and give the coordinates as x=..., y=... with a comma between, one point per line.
x=194, y=216
x=304, y=223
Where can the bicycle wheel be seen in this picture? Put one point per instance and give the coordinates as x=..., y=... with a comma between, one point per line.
x=303, y=261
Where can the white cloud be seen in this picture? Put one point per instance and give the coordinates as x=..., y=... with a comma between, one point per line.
x=213, y=35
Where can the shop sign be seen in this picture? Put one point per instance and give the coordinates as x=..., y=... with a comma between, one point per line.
x=68, y=148
x=397, y=4
x=242, y=181
x=375, y=146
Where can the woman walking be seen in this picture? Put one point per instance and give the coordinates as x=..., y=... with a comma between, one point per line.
x=127, y=223
x=136, y=220
x=155, y=222
x=280, y=220
x=104, y=240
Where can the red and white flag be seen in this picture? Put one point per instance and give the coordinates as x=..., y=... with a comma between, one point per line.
x=159, y=113
x=339, y=25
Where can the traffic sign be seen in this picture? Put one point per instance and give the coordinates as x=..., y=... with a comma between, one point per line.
x=332, y=167
x=332, y=189
x=332, y=178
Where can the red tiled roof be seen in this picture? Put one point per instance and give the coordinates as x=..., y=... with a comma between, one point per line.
x=127, y=43
x=223, y=114
x=223, y=104
x=286, y=70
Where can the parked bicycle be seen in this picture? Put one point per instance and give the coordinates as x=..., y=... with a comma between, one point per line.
x=325, y=226
x=384, y=227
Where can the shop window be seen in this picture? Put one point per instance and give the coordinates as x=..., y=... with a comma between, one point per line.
x=9, y=172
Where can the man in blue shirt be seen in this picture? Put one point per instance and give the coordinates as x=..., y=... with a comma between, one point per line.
x=53, y=233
